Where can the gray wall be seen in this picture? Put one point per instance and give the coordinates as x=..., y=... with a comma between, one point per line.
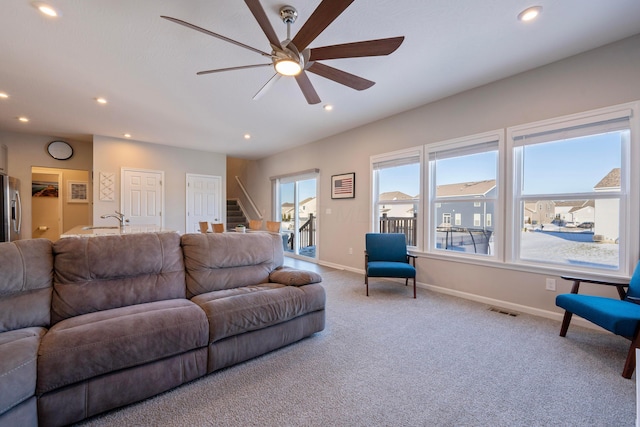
x=112, y=154
x=605, y=76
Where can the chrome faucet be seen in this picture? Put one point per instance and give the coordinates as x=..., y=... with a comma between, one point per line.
x=118, y=215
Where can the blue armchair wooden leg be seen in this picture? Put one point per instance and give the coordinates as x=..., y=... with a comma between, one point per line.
x=630, y=363
x=565, y=323
x=366, y=282
x=414, y=287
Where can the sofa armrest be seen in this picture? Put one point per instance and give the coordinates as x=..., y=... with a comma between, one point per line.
x=293, y=277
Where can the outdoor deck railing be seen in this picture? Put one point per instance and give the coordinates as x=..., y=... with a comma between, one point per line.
x=307, y=233
x=449, y=238
x=404, y=225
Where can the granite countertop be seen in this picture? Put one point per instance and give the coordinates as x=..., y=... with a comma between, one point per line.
x=90, y=231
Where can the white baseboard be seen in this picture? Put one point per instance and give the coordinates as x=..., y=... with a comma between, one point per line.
x=509, y=305
x=341, y=267
x=484, y=300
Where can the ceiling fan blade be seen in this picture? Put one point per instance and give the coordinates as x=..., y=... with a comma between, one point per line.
x=242, y=67
x=258, y=13
x=339, y=76
x=266, y=86
x=210, y=33
x=320, y=19
x=377, y=47
x=307, y=88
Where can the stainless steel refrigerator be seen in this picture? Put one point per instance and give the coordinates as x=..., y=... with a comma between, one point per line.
x=11, y=213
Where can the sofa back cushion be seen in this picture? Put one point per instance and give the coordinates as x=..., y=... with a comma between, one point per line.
x=26, y=275
x=229, y=260
x=105, y=272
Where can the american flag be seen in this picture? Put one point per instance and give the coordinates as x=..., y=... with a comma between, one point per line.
x=343, y=186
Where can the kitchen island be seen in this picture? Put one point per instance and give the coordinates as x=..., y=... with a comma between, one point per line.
x=91, y=231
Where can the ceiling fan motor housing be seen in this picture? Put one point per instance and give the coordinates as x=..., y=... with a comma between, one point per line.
x=288, y=14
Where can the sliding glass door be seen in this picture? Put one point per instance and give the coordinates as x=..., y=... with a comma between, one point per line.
x=296, y=208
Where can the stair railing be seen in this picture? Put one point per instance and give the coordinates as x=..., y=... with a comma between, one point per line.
x=246, y=194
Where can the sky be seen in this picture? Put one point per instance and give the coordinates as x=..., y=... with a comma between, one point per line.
x=571, y=166
x=306, y=188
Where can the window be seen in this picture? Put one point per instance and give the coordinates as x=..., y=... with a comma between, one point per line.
x=464, y=182
x=578, y=169
x=295, y=206
x=558, y=195
x=396, y=193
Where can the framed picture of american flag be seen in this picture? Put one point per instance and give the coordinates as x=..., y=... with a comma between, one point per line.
x=343, y=186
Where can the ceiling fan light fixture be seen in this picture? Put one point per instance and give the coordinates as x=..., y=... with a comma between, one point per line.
x=288, y=67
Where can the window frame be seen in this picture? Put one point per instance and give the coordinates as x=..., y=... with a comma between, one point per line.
x=398, y=155
x=432, y=202
x=628, y=196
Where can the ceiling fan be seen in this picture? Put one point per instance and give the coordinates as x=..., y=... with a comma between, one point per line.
x=293, y=57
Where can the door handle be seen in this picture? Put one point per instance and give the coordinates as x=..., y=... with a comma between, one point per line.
x=16, y=213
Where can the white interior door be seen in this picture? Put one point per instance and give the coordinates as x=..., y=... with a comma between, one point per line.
x=142, y=196
x=204, y=201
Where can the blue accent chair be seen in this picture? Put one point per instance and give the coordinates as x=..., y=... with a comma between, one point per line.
x=386, y=256
x=622, y=317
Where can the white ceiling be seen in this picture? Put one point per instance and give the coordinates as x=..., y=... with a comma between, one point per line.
x=145, y=66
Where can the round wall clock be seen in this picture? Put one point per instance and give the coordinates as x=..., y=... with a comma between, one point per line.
x=60, y=150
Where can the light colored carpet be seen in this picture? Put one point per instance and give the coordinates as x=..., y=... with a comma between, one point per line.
x=390, y=360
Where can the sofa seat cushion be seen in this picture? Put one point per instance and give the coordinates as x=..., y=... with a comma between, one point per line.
x=236, y=311
x=390, y=269
x=93, y=344
x=18, y=357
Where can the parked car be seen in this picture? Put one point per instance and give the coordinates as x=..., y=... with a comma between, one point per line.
x=586, y=224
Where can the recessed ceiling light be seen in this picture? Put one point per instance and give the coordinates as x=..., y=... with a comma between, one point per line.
x=530, y=13
x=46, y=9
x=328, y=107
x=23, y=119
x=101, y=100
x=3, y=95
x=247, y=136
x=127, y=135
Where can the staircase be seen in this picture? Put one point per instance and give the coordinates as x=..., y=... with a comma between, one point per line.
x=235, y=216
